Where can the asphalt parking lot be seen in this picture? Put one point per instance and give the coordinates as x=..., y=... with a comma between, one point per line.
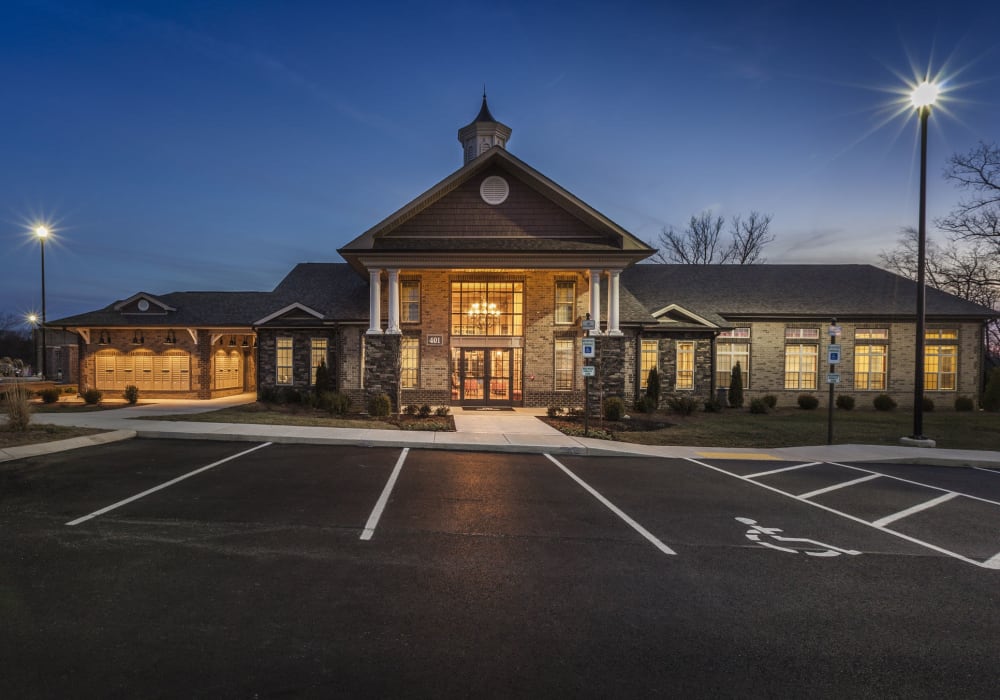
x=200, y=569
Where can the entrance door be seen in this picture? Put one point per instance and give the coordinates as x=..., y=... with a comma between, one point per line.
x=486, y=376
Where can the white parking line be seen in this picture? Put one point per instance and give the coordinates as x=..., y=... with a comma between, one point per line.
x=614, y=509
x=914, y=509
x=916, y=483
x=845, y=484
x=136, y=497
x=783, y=469
x=993, y=563
x=994, y=471
x=373, y=519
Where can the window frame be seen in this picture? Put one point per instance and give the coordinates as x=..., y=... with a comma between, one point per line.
x=407, y=305
x=798, y=378
x=563, y=304
x=409, y=369
x=562, y=376
x=734, y=338
x=644, y=356
x=686, y=349
x=871, y=346
x=279, y=352
x=313, y=364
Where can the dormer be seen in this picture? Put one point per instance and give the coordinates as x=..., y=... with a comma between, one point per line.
x=143, y=304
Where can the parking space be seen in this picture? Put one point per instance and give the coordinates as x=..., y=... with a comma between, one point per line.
x=235, y=569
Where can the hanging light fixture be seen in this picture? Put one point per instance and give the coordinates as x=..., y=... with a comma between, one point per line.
x=245, y=344
x=481, y=314
x=171, y=338
x=232, y=341
x=102, y=340
x=138, y=338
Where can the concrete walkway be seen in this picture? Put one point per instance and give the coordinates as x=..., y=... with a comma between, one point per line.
x=492, y=431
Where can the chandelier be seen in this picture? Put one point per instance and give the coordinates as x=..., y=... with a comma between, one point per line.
x=481, y=314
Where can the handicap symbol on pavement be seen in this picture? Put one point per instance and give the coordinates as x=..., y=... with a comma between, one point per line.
x=759, y=534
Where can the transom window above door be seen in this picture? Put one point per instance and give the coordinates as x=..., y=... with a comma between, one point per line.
x=487, y=308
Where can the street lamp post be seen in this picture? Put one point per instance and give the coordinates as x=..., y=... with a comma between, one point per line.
x=33, y=320
x=923, y=97
x=42, y=232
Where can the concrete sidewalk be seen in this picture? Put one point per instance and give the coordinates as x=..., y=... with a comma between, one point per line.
x=489, y=431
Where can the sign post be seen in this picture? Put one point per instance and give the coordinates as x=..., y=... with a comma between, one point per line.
x=833, y=357
x=587, y=324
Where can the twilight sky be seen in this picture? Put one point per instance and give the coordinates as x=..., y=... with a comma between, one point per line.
x=191, y=145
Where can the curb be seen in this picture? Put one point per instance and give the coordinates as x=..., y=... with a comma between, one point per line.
x=44, y=448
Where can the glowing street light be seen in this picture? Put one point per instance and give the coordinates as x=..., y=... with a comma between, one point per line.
x=32, y=320
x=41, y=233
x=922, y=98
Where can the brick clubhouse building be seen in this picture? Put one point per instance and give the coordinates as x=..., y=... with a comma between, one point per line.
x=478, y=293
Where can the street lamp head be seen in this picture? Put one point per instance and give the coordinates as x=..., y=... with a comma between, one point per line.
x=32, y=319
x=42, y=232
x=925, y=94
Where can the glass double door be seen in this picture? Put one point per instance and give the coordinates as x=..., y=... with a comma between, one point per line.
x=486, y=376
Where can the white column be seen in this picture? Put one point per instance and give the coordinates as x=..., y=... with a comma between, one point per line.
x=374, y=302
x=613, y=303
x=595, y=301
x=393, y=303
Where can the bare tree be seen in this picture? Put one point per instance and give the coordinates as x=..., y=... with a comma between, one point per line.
x=978, y=217
x=970, y=270
x=701, y=242
x=750, y=236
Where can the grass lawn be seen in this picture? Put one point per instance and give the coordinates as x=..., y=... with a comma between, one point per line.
x=41, y=433
x=267, y=414
x=789, y=427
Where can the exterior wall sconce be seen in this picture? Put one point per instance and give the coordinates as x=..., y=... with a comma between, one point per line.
x=138, y=338
x=171, y=339
x=232, y=341
x=104, y=339
x=244, y=344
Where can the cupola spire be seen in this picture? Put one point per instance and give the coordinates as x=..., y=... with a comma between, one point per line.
x=482, y=134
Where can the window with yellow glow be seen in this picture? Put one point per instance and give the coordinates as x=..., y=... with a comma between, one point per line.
x=564, y=354
x=685, y=366
x=317, y=355
x=649, y=358
x=283, y=360
x=409, y=373
x=871, y=358
x=800, y=366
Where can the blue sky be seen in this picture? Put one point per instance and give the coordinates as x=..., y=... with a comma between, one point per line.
x=191, y=145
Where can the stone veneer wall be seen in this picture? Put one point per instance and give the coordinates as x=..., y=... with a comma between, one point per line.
x=301, y=354
x=382, y=362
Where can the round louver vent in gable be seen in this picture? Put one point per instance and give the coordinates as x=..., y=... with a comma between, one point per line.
x=494, y=190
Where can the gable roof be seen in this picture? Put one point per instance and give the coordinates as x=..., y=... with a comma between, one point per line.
x=450, y=218
x=725, y=292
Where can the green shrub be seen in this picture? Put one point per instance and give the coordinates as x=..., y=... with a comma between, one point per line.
x=964, y=403
x=425, y=411
x=92, y=397
x=653, y=387
x=928, y=404
x=845, y=402
x=645, y=404
x=758, y=406
x=290, y=395
x=808, y=402
x=736, y=387
x=267, y=394
x=50, y=395
x=442, y=411
x=411, y=409
x=614, y=408
x=554, y=411
x=379, y=405
x=770, y=400
x=883, y=402
x=334, y=402
x=683, y=405
x=712, y=406
x=131, y=394
x=322, y=379
x=70, y=390
x=18, y=405
x=991, y=397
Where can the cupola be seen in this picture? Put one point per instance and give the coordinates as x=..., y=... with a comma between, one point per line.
x=482, y=134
